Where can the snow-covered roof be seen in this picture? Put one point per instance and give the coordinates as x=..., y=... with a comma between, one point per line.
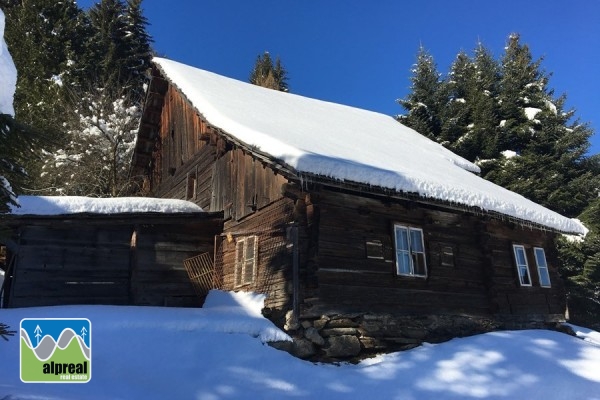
x=348, y=144
x=64, y=205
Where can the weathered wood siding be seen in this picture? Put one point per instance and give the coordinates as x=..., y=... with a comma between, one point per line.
x=350, y=281
x=96, y=261
x=71, y=265
x=470, y=263
x=274, y=275
x=158, y=276
x=507, y=295
x=192, y=162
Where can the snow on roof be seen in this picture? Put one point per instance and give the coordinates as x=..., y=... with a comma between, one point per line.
x=62, y=205
x=347, y=143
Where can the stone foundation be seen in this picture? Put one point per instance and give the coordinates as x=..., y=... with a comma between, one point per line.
x=352, y=337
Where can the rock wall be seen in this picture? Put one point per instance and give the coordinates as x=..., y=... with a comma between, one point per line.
x=352, y=337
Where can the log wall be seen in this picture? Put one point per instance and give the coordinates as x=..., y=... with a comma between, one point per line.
x=274, y=274
x=81, y=261
x=193, y=162
x=507, y=295
x=351, y=280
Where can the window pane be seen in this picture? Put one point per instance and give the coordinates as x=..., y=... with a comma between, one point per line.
x=239, y=262
x=403, y=259
x=416, y=241
x=401, y=238
x=524, y=276
x=249, y=271
x=522, y=266
x=544, y=277
x=419, y=263
x=540, y=257
x=520, y=252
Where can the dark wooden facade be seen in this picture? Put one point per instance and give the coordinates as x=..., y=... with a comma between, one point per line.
x=315, y=238
x=120, y=259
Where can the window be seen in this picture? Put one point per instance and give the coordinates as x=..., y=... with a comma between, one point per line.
x=522, y=266
x=542, y=266
x=410, y=251
x=246, y=254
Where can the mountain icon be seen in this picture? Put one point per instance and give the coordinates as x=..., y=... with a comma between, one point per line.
x=47, y=346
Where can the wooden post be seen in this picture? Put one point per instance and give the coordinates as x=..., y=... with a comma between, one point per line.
x=133, y=264
x=295, y=274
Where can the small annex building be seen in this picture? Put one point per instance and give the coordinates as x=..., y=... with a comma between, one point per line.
x=121, y=251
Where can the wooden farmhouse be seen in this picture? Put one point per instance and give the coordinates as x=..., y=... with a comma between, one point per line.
x=363, y=234
x=129, y=251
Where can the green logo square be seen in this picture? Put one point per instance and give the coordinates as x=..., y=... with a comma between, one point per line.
x=56, y=350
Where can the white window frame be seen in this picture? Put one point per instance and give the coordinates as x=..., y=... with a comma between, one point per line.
x=411, y=252
x=522, y=267
x=542, y=267
x=245, y=259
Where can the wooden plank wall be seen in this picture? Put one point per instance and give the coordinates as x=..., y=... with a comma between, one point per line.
x=65, y=263
x=158, y=275
x=241, y=185
x=72, y=265
x=179, y=142
x=349, y=281
x=507, y=295
x=274, y=258
x=224, y=179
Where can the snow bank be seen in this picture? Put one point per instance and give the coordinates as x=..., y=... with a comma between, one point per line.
x=186, y=353
x=346, y=143
x=60, y=205
x=8, y=74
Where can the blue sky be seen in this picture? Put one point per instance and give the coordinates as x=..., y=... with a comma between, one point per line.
x=360, y=52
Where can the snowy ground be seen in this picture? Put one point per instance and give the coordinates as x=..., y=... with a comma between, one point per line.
x=219, y=353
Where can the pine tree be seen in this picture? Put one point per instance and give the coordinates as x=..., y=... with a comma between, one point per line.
x=269, y=75
x=45, y=38
x=108, y=47
x=484, y=101
x=10, y=172
x=580, y=267
x=43, y=34
x=547, y=162
x=426, y=99
x=456, y=115
x=139, y=54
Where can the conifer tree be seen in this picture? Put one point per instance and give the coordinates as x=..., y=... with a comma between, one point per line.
x=108, y=46
x=456, y=115
x=139, y=54
x=426, y=99
x=44, y=36
x=484, y=103
x=580, y=266
x=269, y=75
x=547, y=161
